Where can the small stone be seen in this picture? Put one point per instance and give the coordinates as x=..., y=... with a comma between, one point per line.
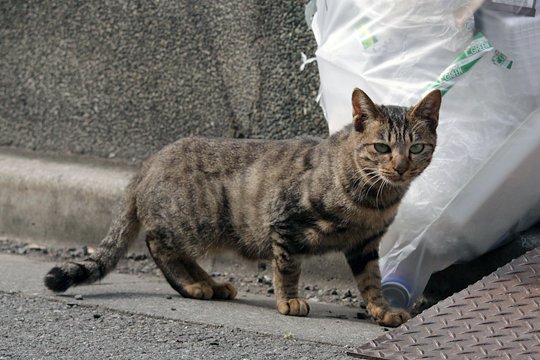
x=333, y=291
x=266, y=280
x=97, y=316
x=173, y=309
x=214, y=343
x=347, y=294
x=362, y=315
x=270, y=290
x=307, y=287
x=215, y=274
x=34, y=247
x=78, y=297
x=140, y=257
x=147, y=268
x=77, y=253
x=169, y=297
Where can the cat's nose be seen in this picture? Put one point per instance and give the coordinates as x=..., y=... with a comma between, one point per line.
x=400, y=171
x=401, y=166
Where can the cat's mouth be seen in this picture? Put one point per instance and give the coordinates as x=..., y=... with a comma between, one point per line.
x=388, y=178
x=396, y=179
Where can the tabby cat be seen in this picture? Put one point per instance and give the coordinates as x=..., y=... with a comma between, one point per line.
x=272, y=200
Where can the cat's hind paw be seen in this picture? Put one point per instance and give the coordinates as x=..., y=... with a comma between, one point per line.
x=293, y=307
x=225, y=291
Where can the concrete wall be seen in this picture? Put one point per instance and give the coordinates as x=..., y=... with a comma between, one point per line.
x=122, y=78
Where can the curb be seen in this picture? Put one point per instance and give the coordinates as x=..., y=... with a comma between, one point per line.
x=56, y=199
x=68, y=201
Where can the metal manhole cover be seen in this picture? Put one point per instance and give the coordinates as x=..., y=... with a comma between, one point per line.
x=498, y=317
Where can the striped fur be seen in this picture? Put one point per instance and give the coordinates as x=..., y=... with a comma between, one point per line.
x=275, y=200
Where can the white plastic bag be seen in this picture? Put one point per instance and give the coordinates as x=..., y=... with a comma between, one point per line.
x=394, y=50
x=501, y=197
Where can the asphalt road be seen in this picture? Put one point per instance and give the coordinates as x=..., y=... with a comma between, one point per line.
x=129, y=317
x=35, y=328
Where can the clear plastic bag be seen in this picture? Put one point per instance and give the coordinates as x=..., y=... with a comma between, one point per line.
x=394, y=50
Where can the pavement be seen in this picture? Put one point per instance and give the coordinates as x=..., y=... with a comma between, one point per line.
x=328, y=326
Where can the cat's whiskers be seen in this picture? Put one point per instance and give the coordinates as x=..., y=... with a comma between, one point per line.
x=364, y=194
x=368, y=174
x=379, y=182
x=373, y=175
x=380, y=191
x=360, y=182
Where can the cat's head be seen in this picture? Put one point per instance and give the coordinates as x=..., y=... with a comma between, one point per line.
x=394, y=143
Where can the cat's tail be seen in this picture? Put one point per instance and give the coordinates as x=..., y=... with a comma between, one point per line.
x=124, y=229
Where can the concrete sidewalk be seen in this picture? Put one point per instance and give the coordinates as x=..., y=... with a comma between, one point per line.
x=330, y=324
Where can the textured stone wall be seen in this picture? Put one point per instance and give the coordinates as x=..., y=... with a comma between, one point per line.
x=122, y=78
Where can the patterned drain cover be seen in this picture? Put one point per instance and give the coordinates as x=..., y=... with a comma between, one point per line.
x=496, y=318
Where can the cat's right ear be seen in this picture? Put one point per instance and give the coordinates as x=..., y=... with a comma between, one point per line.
x=428, y=108
x=363, y=109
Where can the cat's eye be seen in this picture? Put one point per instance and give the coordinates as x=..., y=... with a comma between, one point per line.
x=416, y=148
x=382, y=148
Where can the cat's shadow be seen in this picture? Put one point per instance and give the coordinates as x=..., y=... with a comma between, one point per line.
x=171, y=299
x=317, y=310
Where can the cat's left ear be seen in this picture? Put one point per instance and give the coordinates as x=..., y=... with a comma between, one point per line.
x=363, y=109
x=428, y=108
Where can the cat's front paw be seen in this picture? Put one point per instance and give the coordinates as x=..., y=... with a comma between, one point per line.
x=199, y=290
x=293, y=307
x=225, y=291
x=390, y=318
